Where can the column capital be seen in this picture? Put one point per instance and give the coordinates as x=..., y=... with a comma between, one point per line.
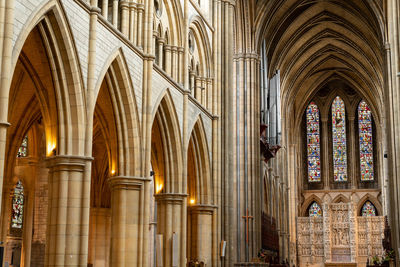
x=124, y=4
x=175, y=198
x=247, y=55
x=160, y=40
x=202, y=208
x=132, y=5
x=4, y=124
x=67, y=162
x=127, y=182
x=181, y=49
x=174, y=48
x=94, y=10
x=140, y=7
x=167, y=47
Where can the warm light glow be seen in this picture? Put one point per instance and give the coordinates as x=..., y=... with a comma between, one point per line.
x=159, y=188
x=50, y=147
x=112, y=171
x=192, y=201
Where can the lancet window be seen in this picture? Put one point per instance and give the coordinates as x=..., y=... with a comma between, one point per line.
x=313, y=143
x=339, y=140
x=366, y=144
x=17, y=206
x=338, y=135
x=314, y=210
x=23, y=149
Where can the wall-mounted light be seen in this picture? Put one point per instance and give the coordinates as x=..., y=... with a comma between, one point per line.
x=159, y=188
x=192, y=201
x=51, y=149
x=112, y=172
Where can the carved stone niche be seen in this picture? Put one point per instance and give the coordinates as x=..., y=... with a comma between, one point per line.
x=340, y=237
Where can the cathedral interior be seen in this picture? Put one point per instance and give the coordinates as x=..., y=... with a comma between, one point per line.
x=174, y=133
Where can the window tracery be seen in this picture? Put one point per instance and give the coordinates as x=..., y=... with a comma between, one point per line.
x=314, y=210
x=368, y=209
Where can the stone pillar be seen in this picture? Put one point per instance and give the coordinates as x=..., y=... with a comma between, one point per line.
x=6, y=45
x=104, y=10
x=325, y=152
x=126, y=219
x=197, y=89
x=352, y=154
x=167, y=59
x=209, y=93
x=67, y=228
x=174, y=60
x=192, y=82
x=169, y=210
x=115, y=13
x=132, y=22
x=100, y=237
x=27, y=228
x=203, y=91
x=200, y=234
x=125, y=18
x=160, y=48
x=139, y=29
x=181, y=66
x=155, y=44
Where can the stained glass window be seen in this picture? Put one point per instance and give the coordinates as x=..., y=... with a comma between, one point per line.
x=314, y=210
x=17, y=206
x=368, y=209
x=339, y=140
x=23, y=149
x=313, y=143
x=366, y=145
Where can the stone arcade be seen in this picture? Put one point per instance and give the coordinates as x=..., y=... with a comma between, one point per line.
x=199, y=133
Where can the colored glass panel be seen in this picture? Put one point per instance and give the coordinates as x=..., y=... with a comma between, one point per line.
x=339, y=140
x=366, y=144
x=314, y=210
x=313, y=143
x=17, y=206
x=23, y=149
x=368, y=210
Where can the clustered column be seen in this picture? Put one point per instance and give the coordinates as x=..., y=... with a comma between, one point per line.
x=201, y=227
x=66, y=227
x=126, y=220
x=169, y=211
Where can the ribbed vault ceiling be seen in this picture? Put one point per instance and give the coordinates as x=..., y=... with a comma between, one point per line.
x=315, y=42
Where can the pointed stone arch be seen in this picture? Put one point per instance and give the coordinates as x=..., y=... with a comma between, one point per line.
x=166, y=128
x=199, y=31
x=200, y=182
x=124, y=124
x=374, y=200
x=308, y=202
x=65, y=130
